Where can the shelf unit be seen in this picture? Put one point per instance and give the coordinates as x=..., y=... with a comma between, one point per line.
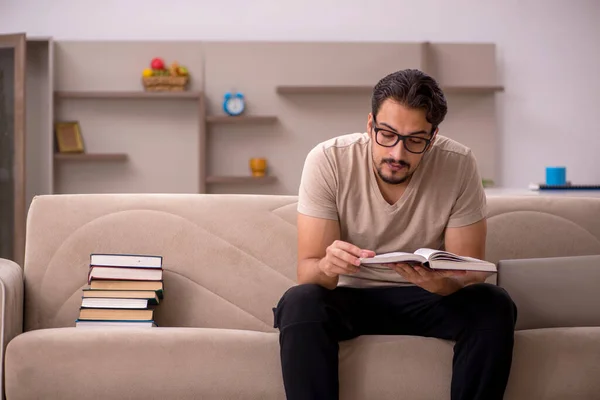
x=90, y=157
x=285, y=96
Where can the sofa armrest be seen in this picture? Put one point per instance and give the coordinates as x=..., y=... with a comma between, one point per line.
x=553, y=292
x=11, y=307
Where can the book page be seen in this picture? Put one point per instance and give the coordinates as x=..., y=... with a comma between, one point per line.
x=429, y=253
x=441, y=255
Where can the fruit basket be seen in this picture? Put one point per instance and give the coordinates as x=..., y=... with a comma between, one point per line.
x=158, y=78
x=165, y=83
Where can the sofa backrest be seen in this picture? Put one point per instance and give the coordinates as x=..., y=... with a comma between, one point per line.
x=229, y=258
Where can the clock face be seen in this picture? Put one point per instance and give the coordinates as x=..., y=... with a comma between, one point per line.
x=235, y=105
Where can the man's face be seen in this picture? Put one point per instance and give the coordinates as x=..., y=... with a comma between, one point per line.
x=395, y=164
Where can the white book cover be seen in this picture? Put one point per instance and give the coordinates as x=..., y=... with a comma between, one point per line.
x=103, y=302
x=126, y=260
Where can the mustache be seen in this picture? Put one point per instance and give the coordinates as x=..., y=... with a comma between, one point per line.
x=402, y=163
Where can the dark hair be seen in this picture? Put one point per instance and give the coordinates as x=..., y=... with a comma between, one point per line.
x=414, y=89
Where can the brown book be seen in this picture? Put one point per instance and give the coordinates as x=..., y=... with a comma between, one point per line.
x=122, y=294
x=120, y=273
x=157, y=286
x=115, y=314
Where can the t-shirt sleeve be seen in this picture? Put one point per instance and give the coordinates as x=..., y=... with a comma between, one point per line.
x=470, y=204
x=318, y=186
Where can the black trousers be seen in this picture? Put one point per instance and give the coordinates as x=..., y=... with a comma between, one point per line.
x=312, y=320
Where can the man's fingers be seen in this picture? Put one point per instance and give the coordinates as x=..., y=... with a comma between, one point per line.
x=344, y=265
x=405, y=270
x=352, y=249
x=346, y=257
x=422, y=272
x=367, y=253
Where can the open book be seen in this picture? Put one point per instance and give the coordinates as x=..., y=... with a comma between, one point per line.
x=434, y=259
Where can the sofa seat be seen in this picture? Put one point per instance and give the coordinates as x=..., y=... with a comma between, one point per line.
x=205, y=363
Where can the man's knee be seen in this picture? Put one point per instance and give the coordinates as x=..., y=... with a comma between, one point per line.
x=301, y=303
x=491, y=306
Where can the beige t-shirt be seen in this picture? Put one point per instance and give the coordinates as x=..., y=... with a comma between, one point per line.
x=338, y=182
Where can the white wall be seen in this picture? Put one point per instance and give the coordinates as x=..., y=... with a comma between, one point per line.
x=548, y=50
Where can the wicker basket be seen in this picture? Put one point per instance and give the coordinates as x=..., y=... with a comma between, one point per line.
x=165, y=83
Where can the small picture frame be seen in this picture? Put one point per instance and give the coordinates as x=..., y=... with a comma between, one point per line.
x=68, y=137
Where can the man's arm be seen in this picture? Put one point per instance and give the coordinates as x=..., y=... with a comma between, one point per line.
x=314, y=235
x=468, y=241
x=322, y=256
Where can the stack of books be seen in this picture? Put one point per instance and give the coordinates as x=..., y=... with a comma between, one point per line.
x=123, y=290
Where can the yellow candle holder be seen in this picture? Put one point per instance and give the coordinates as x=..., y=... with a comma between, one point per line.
x=258, y=166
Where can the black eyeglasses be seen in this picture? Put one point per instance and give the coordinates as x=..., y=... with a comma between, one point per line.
x=413, y=144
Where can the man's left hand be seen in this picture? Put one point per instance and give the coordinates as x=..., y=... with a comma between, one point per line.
x=439, y=282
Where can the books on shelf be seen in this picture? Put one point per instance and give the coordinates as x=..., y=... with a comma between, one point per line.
x=123, y=290
x=568, y=186
x=430, y=258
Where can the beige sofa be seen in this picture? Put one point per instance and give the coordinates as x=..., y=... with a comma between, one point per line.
x=228, y=259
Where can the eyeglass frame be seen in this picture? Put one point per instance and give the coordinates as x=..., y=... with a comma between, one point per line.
x=403, y=138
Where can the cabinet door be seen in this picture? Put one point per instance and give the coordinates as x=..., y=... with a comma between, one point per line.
x=12, y=147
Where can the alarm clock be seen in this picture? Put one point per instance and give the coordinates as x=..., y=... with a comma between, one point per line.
x=234, y=103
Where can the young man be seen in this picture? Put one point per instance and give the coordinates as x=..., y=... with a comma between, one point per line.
x=398, y=187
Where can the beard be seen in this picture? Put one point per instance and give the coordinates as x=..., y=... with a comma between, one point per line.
x=393, y=179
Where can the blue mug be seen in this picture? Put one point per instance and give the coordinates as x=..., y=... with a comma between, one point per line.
x=556, y=176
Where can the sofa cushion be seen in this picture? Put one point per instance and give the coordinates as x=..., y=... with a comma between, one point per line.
x=196, y=363
x=553, y=292
x=143, y=363
x=556, y=364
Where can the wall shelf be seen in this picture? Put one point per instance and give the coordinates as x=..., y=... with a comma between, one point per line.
x=368, y=89
x=241, y=179
x=334, y=89
x=472, y=89
x=127, y=95
x=241, y=119
x=90, y=157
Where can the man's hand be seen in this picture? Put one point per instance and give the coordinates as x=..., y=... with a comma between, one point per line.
x=342, y=258
x=439, y=282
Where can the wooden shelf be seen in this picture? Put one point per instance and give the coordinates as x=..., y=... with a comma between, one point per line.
x=241, y=119
x=240, y=179
x=89, y=157
x=472, y=89
x=323, y=89
x=127, y=95
x=368, y=89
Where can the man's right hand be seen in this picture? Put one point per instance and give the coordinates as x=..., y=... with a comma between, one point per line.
x=342, y=258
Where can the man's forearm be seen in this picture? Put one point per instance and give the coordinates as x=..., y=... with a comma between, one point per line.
x=309, y=272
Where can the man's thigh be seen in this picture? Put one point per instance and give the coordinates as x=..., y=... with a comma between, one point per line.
x=399, y=310
x=414, y=311
x=351, y=312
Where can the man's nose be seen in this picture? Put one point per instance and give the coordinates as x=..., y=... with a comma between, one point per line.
x=398, y=151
